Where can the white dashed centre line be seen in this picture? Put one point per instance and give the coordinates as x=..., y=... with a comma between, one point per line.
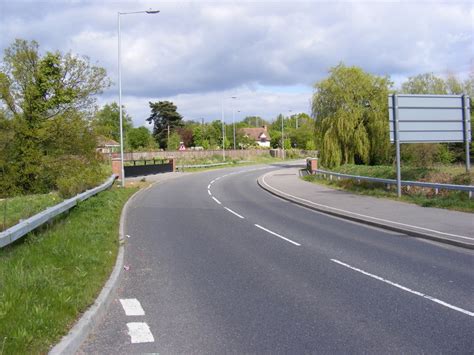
x=132, y=307
x=215, y=199
x=140, y=333
x=209, y=192
x=208, y=186
x=277, y=235
x=405, y=288
x=235, y=213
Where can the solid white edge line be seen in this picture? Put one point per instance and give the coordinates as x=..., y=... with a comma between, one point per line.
x=277, y=235
x=238, y=215
x=215, y=199
x=361, y=215
x=471, y=314
x=132, y=307
x=140, y=333
x=209, y=192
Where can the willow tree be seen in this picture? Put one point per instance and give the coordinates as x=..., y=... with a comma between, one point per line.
x=351, y=113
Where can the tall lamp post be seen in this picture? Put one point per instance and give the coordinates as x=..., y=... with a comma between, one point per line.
x=223, y=130
x=120, y=82
x=282, y=138
x=233, y=118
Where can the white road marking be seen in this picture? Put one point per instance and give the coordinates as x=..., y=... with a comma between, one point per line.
x=406, y=288
x=208, y=186
x=132, y=307
x=140, y=333
x=277, y=235
x=361, y=215
x=209, y=192
x=213, y=181
x=215, y=199
x=238, y=215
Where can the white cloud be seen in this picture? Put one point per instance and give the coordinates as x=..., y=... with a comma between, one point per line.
x=196, y=52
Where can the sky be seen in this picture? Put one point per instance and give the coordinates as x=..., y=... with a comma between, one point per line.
x=266, y=54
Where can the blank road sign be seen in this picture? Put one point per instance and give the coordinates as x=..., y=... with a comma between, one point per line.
x=430, y=118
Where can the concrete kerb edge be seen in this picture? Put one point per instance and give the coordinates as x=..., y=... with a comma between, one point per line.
x=364, y=221
x=71, y=342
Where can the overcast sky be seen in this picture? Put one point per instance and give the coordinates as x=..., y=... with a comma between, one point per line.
x=266, y=53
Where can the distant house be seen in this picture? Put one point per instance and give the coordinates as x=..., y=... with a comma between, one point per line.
x=106, y=145
x=259, y=135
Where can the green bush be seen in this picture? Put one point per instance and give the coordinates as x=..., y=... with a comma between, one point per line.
x=444, y=155
x=79, y=176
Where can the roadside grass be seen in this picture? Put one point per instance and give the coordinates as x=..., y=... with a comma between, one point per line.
x=50, y=277
x=14, y=209
x=232, y=163
x=448, y=174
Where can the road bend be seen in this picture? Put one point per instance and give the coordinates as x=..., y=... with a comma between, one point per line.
x=217, y=265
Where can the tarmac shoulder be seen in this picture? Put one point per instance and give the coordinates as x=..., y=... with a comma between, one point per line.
x=450, y=227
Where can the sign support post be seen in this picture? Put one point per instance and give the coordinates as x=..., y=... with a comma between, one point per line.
x=465, y=113
x=397, y=143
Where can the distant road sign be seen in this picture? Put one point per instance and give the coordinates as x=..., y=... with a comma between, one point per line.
x=430, y=118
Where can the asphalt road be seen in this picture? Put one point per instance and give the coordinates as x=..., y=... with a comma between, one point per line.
x=220, y=266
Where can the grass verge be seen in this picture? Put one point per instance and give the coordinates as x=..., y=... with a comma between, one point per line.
x=452, y=200
x=14, y=209
x=50, y=277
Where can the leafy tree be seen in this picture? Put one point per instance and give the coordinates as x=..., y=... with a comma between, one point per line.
x=40, y=93
x=173, y=142
x=139, y=137
x=6, y=135
x=254, y=121
x=42, y=87
x=350, y=107
x=186, y=134
x=310, y=145
x=107, y=122
x=305, y=131
x=427, y=83
x=163, y=115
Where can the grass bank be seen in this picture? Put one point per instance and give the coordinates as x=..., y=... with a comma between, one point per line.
x=445, y=174
x=50, y=277
x=14, y=209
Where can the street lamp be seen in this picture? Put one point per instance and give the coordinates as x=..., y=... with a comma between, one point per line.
x=282, y=139
x=233, y=117
x=120, y=82
x=223, y=131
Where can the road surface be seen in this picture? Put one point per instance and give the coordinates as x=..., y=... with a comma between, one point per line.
x=218, y=265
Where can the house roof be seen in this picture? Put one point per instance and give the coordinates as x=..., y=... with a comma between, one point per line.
x=256, y=133
x=106, y=142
